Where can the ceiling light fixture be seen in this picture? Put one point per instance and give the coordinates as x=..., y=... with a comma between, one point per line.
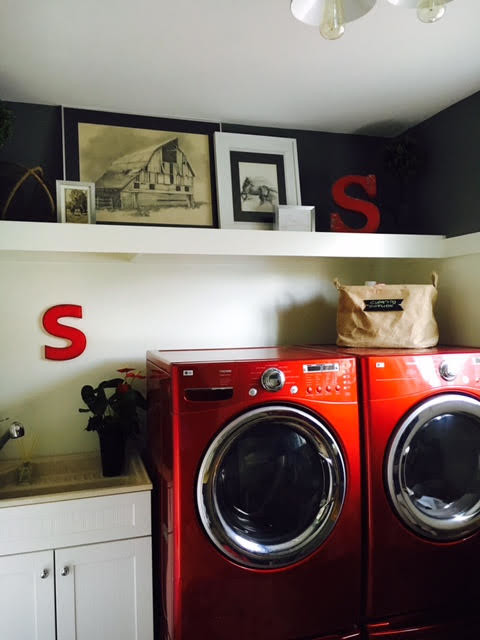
x=427, y=10
x=331, y=15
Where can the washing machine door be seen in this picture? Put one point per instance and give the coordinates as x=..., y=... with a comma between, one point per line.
x=432, y=468
x=271, y=486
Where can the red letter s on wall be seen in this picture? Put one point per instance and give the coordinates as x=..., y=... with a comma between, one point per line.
x=77, y=338
x=368, y=209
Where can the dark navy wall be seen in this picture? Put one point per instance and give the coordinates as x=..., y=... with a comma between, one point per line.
x=323, y=158
x=36, y=141
x=447, y=194
x=441, y=197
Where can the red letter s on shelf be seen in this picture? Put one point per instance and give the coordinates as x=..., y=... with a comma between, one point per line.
x=78, y=340
x=368, y=209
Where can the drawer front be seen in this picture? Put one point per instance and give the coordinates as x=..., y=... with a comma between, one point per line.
x=74, y=522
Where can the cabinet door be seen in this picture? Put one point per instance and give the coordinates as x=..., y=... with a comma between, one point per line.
x=27, y=597
x=105, y=591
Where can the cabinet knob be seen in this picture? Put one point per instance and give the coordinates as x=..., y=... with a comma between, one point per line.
x=65, y=571
x=44, y=574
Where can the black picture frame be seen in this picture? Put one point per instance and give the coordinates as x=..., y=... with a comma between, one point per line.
x=256, y=159
x=150, y=125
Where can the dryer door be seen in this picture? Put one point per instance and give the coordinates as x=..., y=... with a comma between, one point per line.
x=432, y=468
x=271, y=486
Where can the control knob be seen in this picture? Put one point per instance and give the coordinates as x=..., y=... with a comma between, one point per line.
x=447, y=372
x=273, y=379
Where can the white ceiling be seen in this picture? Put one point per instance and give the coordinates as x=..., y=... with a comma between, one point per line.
x=239, y=61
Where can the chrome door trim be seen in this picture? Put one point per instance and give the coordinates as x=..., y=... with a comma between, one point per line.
x=242, y=549
x=434, y=528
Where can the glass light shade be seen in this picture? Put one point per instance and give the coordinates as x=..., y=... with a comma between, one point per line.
x=333, y=22
x=410, y=4
x=431, y=10
x=312, y=11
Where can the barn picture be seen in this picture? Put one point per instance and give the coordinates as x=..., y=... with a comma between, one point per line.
x=150, y=178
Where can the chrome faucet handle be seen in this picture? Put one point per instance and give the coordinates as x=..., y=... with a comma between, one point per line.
x=17, y=430
x=14, y=431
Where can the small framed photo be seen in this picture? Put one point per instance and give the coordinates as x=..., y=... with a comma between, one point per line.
x=294, y=218
x=255, y=174
x=75, y=202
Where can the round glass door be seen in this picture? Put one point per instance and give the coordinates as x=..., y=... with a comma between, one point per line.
x=433, y=468
x=271, y=486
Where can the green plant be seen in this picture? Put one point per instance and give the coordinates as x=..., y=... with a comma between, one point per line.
x=6, y=123
x=117, y=411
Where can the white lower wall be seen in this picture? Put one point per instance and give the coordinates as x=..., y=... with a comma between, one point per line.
x=459, y=307
x=130, y=307
x=181, y=302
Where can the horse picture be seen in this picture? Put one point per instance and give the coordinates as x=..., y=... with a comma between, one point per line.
x=256, y=188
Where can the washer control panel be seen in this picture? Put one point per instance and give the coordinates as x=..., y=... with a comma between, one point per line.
x=332, y=380
x=335, y=380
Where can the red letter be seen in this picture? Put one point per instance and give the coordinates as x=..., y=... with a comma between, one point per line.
x=368, y=209
x=77, y=338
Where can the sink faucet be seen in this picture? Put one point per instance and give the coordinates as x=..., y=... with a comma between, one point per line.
x=15, y=430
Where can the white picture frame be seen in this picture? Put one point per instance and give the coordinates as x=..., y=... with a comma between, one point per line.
x=254, y=174
x=75, y=202
x=294, y=218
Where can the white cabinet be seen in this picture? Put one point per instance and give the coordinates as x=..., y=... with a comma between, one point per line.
x=78, y=568
x=100, y=591
x=27, y=596
x=104, y=591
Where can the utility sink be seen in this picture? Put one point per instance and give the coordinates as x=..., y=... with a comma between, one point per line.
x=71, y=476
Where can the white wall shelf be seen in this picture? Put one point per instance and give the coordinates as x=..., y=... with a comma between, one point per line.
x=462, y=245
x=22, y=239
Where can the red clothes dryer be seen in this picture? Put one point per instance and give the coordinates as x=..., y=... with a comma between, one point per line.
x=424, y=627
x=255, y=455
x=421, y=414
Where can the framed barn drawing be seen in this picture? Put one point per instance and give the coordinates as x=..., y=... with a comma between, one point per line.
x=146, y=170
x=75, y=202
x=255, y=174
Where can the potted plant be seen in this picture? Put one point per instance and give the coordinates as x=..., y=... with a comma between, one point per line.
x=115, y=416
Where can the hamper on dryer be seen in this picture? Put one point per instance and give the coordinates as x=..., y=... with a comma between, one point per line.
x=387, y=315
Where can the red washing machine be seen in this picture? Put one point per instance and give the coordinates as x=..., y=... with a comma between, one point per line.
x=421, y=413
x=255, y=456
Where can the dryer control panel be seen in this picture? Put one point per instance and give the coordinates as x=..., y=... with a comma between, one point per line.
x=391, y=376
